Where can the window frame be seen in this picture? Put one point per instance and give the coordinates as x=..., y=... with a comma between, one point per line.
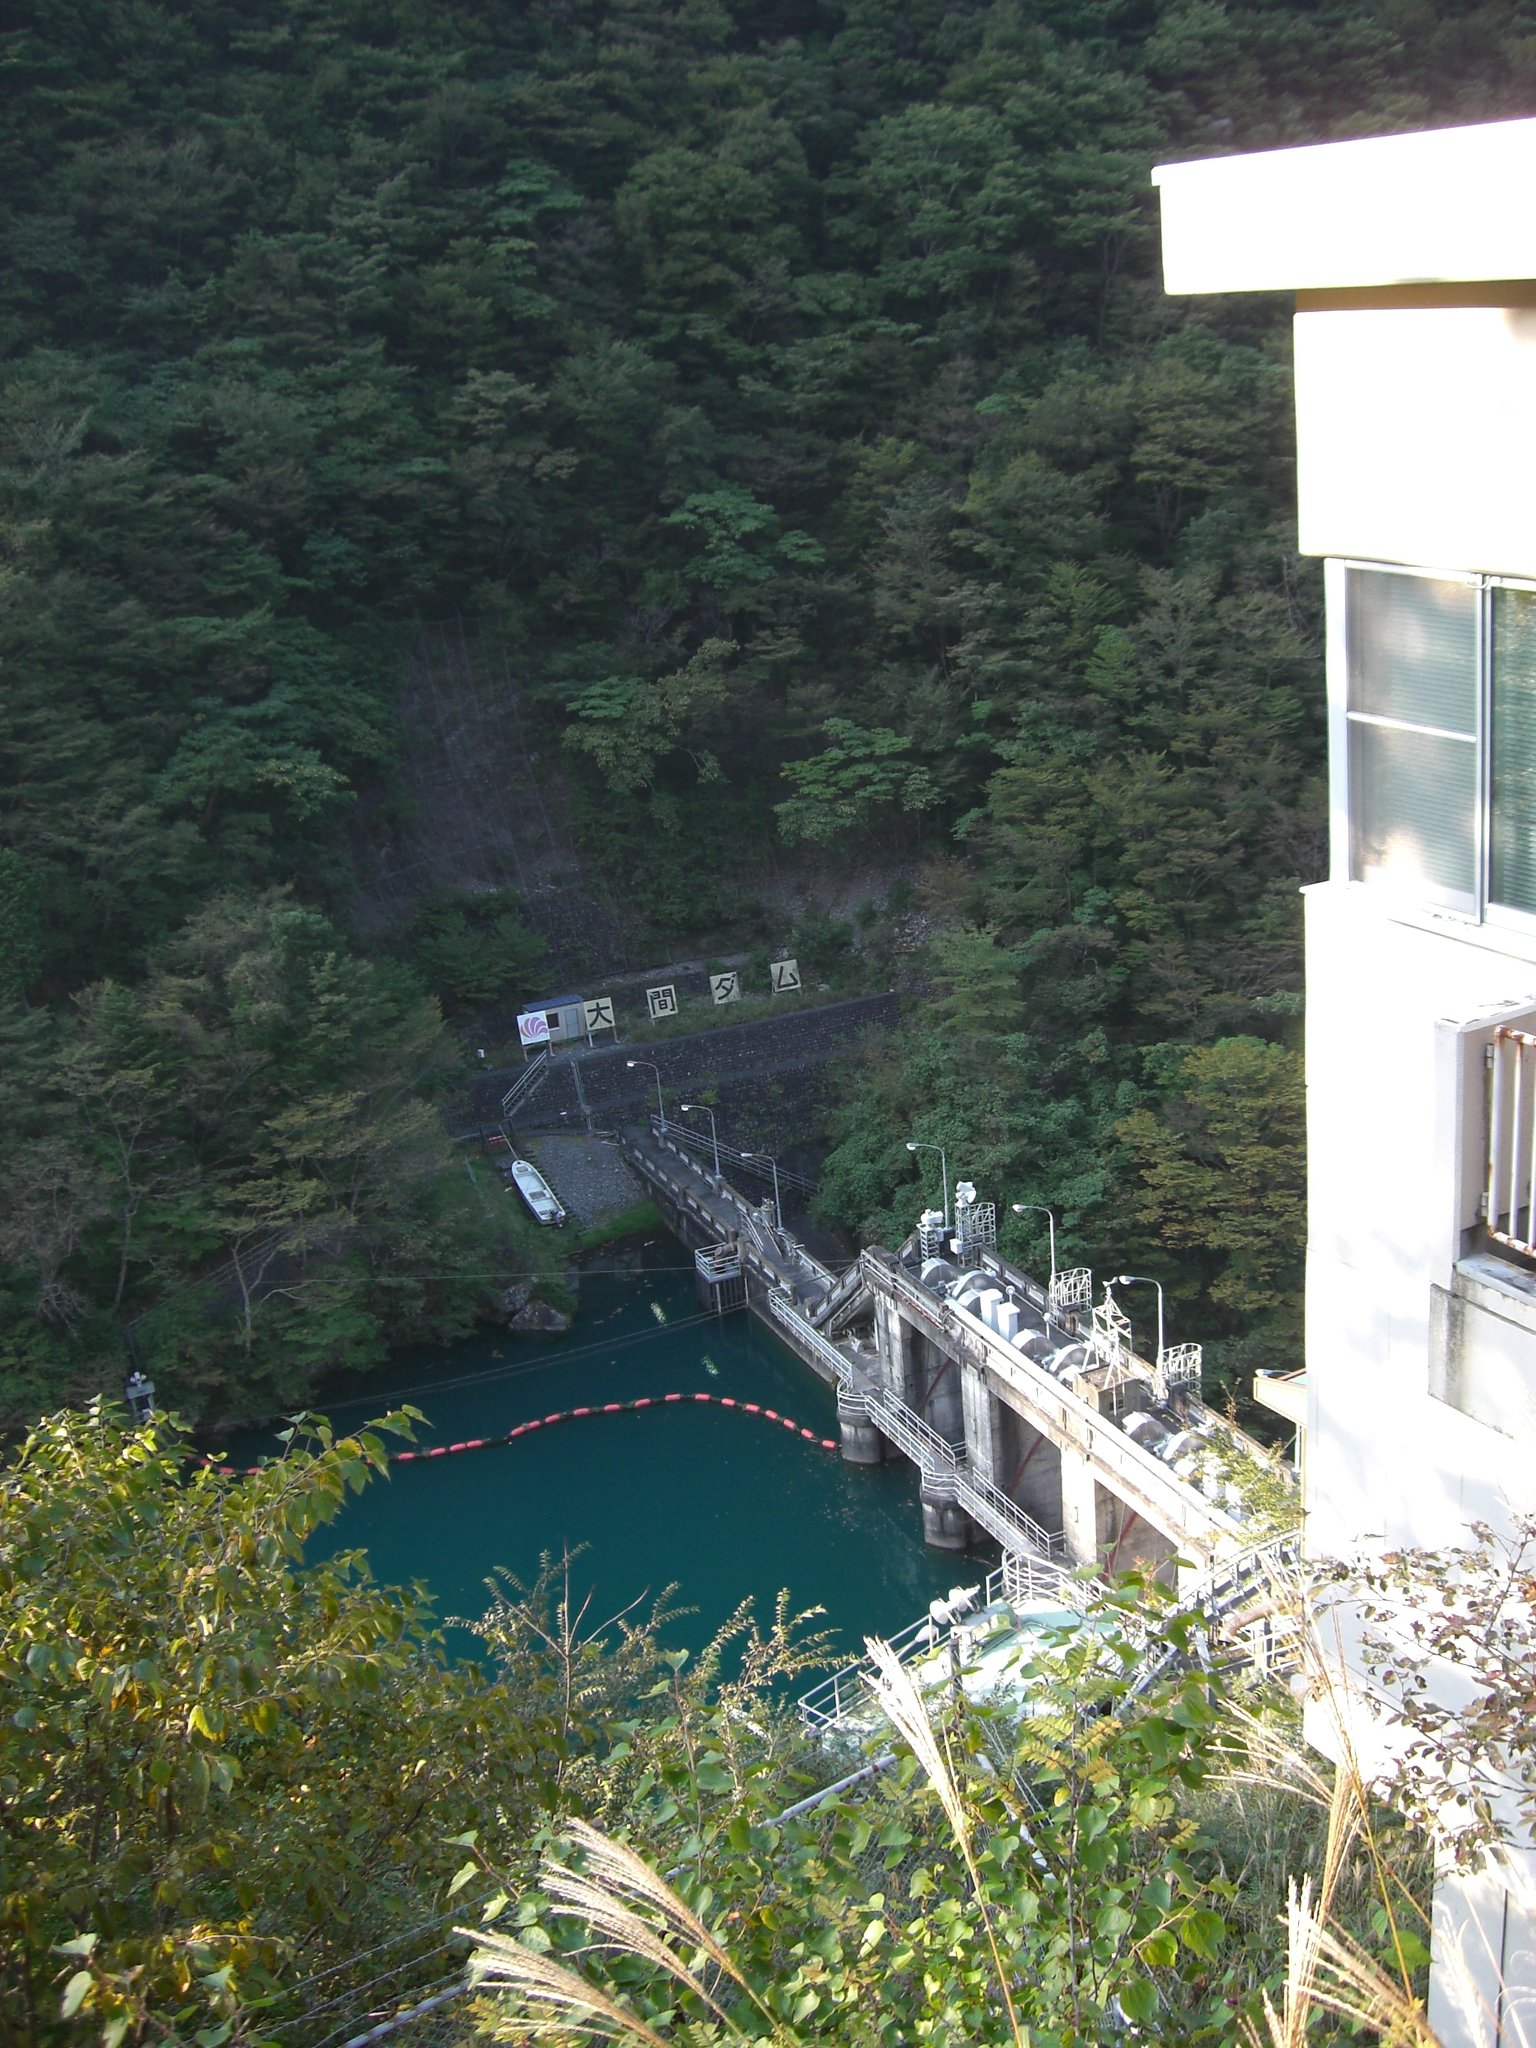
x=1476, y=905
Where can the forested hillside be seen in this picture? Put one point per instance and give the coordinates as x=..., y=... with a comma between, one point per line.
x=786, y=394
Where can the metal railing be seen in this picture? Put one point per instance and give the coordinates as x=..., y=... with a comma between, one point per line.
x=1072, y=1288
x=852, y=1284
x=525, y=1083
x=939, y=1461
x=776, y=1250
x=1002, y=1517
x=1178, y=1371
x=719, y=1261
x=847, y=1692
x=684, y=1138
x=1231, y=1584
x=840, y=1366
x=1509, y=1194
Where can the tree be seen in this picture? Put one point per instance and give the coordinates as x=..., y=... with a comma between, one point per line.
x=239, y=1159
x=861, y=779
x=1451, y=1641
x=1222, y=1169
x=630, y=727
x=222, y=1764
x=21, y=927
x=229, y=1768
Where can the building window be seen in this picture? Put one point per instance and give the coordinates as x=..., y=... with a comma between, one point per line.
x=1440, y=721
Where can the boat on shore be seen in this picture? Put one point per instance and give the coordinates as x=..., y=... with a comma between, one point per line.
x=539, y=1197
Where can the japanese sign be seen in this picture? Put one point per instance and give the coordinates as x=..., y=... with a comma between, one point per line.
x=725, y=988
x=784, y=975
x=533, y=1028
x=597, y=1015
x=661, y=1002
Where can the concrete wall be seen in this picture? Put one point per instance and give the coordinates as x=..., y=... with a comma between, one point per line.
x=1397, y=1013
x=1416, y=428
x=1028, y=1465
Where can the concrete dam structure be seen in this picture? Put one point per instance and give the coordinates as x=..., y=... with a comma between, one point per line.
x=1029, y=1416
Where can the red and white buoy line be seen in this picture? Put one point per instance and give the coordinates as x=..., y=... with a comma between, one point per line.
x=490, y=1443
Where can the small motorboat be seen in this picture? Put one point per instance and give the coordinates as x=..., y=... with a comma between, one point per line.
x=538, y=1195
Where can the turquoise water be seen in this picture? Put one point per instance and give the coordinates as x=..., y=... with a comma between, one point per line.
x=723, y=1504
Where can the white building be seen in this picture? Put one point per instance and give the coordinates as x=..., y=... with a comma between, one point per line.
x=1413, y=262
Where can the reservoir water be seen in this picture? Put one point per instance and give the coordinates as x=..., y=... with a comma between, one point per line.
x=724, y=1505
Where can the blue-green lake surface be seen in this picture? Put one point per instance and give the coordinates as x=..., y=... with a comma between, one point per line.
x=724, y=1505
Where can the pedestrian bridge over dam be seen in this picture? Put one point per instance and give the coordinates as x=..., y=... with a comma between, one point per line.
x=1027, y=1412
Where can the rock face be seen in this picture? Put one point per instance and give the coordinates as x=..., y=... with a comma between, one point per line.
x=538, y=1319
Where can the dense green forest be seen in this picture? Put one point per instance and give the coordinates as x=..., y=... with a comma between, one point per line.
x=782, y=401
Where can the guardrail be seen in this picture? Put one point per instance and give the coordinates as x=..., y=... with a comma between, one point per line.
x=846, y=1692
x=995, y=1512
x=776, y=1251
x=684, y=1137
x=852, y=1284
x=840, y=1367
x=1222, y=1591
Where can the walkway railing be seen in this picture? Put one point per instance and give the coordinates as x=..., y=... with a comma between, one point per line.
x=778, y=1255
x=1269, y=1641
x=993, y=1510
x=847, y=1692
x=939, y=1461
x=1272, y=1638
x=847, y=1290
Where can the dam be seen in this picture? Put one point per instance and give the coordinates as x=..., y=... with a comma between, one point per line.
x=1027, y=1412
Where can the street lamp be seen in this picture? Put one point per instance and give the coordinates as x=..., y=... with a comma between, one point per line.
x=921, y=1145
x=661, y=1107
x=1039, y=1208
x=778, y=1212
x=1141, y=1280
x=714, y=1136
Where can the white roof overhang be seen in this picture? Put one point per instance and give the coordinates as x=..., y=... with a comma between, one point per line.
x=1448, y=205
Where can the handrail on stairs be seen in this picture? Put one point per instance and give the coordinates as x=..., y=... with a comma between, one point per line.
x=934, y=1455
x=526, y=1082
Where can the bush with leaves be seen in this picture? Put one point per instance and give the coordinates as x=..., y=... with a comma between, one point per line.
x=1450, y=1640
x=227, y=1767
x=1039, y=1876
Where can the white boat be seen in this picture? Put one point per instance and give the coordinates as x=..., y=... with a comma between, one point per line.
x=535, y=1191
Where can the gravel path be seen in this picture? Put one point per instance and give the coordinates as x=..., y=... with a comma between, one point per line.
x=587, y=1174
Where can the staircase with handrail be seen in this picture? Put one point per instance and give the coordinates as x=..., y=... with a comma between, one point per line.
x=527, y=1083
x=936, y=1457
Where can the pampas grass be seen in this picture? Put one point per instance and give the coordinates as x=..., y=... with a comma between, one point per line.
x=633, y=1912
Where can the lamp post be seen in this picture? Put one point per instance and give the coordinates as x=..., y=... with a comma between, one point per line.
x=714, y=1135
x=1039, y=1208
x=922, y=1145
x=661, y=1107
x=1141, y=1280
x=778, y=1212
